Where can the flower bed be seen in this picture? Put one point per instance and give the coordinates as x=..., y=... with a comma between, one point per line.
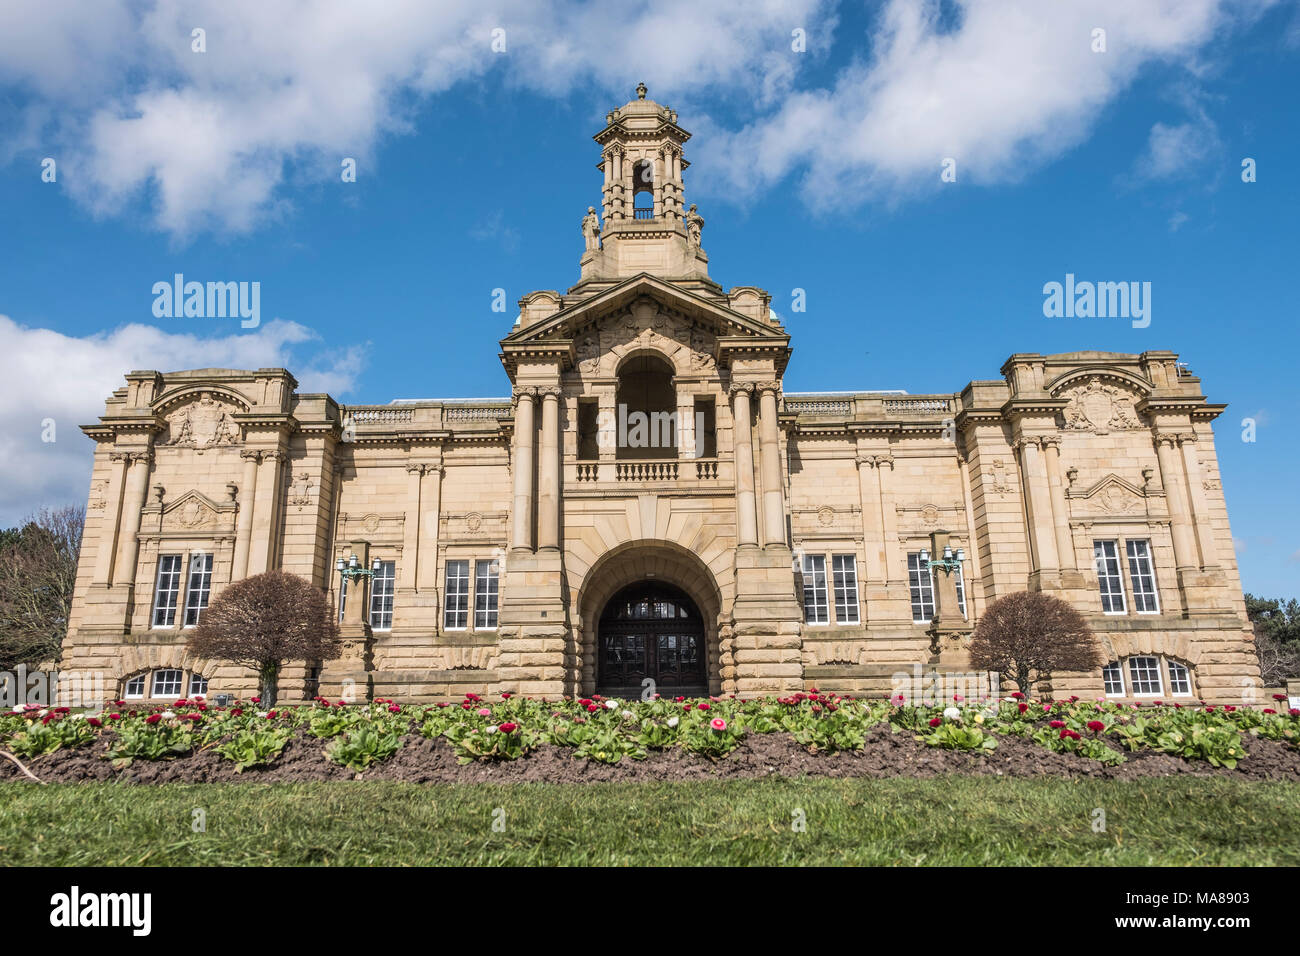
x=808, y=732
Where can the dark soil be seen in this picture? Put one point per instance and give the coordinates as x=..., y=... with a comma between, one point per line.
x=760, y=755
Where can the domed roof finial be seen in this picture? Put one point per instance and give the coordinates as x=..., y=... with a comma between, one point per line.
x=641, y=91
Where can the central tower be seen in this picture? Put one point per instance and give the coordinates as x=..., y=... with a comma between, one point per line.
x=645, y=224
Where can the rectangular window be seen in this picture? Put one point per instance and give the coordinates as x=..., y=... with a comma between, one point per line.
x=167, y=590
x=588, y=429
x=1144, y=675
x=381, y=596
x=961, y=589
x=455, y=615
x=1109, y=580
x=487, y=588
x=815, y=610
x=922, y=587
x=134, y=688
x=166, y=683
x=1180, y=680
x=198, y=685
x=1142, y=574
x=706, y=429
x=845, y=571
x=343, y=598
x=1112, y=678
x=198, y=589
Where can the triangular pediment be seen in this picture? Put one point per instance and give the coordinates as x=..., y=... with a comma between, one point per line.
x=193, y=511
x=695, y=309
x=645, y=310
x=1112, y=494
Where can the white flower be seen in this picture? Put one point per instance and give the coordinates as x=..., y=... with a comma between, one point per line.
x=19, y=709
x=673, y=721
x=489, y=730
x=627, y=713
x=611, y=704
x=952, y=713
x=167, y=715
x=78, y=716
x=260, y=713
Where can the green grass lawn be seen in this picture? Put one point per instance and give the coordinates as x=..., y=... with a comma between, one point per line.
x=956, y=820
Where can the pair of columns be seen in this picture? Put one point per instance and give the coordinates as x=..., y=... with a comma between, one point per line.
x=259, y=510
x=1189, y=509
x=1050, y=540
x=119, y=543
x=620, y=185
x=770, y=464
x=545, y=454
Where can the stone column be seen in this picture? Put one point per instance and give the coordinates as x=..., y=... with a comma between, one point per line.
x=685, y=430
x=1171, y=477
x=616, y=186
x=137, y=481
x=657, y=188
x=266, y=511
x=430, y=521
x=408, y=573
x=522, y=515
x=770, y=451
x=971, y=576
x=746, y=516
x=1060, y=507
x=895, y=566
x=244, y=528
x=1038, y=506
x=873, y=538
x=106, y=543
x=1200, y=505
x=548, y=473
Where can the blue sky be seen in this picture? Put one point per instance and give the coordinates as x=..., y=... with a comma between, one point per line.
x=816, y=170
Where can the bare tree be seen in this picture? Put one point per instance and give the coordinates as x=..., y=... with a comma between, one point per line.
x=265, y=620
x=1278, y=660
x=1025, y=636
x=38, y=573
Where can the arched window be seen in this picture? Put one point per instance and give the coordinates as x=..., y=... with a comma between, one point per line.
x=643, y=189
x=646, y=412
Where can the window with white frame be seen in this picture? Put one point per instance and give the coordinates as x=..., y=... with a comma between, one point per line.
x=844, y=571
x=1112, y=678
x=815, y=609
x=487, y=592
x=343, y=597
x=1109, y=580
x=1142, y=575
x=1144, y=676
x=198, y=589
x=455, y=615
x=381, y=596
x=166, y=683
x=167, y=590
x=921, y=583
x=198, y=685
x=134, y=689
x=1180, y=679
x=961, y=589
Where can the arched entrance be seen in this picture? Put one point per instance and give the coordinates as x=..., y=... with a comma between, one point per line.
x=651, y=630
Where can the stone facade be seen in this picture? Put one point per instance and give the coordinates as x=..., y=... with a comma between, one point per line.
x=791, y=523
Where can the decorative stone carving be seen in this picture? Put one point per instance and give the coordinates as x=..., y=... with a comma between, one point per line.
x=300, y=490
x=205, y=423
x=1001, y=482
x=1100, y=408
x=825, y=516
x=702, y=345
x=189, y=515
x=589, y=353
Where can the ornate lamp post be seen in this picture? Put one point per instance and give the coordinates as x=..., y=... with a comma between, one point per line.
x=949, y=563
x=351, y=568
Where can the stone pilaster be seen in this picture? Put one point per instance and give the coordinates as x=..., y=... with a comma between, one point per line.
x=742, y=443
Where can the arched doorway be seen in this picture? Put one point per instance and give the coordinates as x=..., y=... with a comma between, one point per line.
x=651, y=630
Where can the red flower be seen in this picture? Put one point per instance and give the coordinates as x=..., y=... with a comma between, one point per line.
x=508, y=727
x=1293, y=712
x=1069, y=733
x=935, y=721
x=94, y=722
x=1096, y=726
x=1016, y=695
x=271, y=714
x=256, y=700
x=114, y=716
x=704, y=705
x=394, y=709
x=592, y=708
x=1269, y=710
x=153, y=718
x=1279, y=696
x=1056, y=723
x=1022, y=707
x=505, y=697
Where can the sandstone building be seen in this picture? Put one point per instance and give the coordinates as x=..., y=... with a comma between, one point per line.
x=650, y=504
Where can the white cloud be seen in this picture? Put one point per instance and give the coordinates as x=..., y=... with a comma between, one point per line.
x=66, y=379
x=1000, y=88
x=208, y=139
x=1174, y=150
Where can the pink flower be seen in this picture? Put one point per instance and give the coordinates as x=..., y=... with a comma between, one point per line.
x=484, y=712
x=592, y=708
x=1047, y=708
x=703, y=706
x=717, y=723
x=508, y=727
x=394, y=709
x=153, y=718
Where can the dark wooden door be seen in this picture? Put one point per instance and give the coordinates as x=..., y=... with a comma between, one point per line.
x=653, y=631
